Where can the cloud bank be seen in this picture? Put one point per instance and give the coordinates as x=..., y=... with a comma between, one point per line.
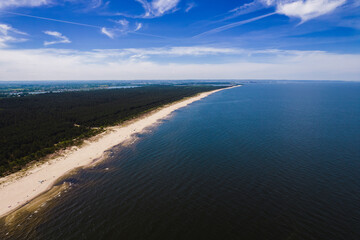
x=55, y=64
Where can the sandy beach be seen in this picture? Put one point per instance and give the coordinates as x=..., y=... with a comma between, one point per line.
x=17, y=189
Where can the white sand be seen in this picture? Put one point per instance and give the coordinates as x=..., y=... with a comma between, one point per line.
x=19, y=188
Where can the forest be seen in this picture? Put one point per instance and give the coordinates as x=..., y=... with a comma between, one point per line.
x=34, y=126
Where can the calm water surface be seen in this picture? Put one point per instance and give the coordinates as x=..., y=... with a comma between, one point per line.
x=263, y=161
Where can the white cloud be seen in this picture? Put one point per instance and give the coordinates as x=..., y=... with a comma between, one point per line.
x=245, y=8
x=155, y=8
x=190, y=6
x=5, y=29
x=54, y=64
x=9, y=34
x=107, y=32
x=90, y=4
x=308, y=9
x=60, y=38
x=138, y=26
x=122, y=22
x=122, y=29
x=95, y=4
x=23, y=3
x=303, y=9
x=160, y=7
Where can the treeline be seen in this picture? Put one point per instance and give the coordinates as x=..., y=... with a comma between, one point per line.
x=34, y=126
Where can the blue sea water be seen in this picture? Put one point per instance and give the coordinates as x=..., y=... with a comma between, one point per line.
x=261, y=161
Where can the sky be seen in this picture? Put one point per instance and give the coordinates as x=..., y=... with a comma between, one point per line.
x=179, y=39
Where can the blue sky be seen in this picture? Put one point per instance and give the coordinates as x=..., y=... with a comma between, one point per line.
x=179, y=39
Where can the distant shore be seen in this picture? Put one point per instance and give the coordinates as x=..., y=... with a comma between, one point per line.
x=17, y=189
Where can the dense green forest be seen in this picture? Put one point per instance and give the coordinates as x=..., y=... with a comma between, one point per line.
x=34, y=126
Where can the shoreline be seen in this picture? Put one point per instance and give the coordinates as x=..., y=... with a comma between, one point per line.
x=20, y=188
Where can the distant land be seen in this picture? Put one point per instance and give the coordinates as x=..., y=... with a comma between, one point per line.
x=24, y=88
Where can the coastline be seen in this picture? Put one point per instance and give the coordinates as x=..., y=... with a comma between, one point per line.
x=18, y=189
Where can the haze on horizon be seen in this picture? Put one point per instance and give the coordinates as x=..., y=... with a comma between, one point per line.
x=179, y=39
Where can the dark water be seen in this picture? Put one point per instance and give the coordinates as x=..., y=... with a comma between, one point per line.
x=263, y=161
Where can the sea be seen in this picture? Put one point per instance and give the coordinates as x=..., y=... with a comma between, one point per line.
x=276, y=160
